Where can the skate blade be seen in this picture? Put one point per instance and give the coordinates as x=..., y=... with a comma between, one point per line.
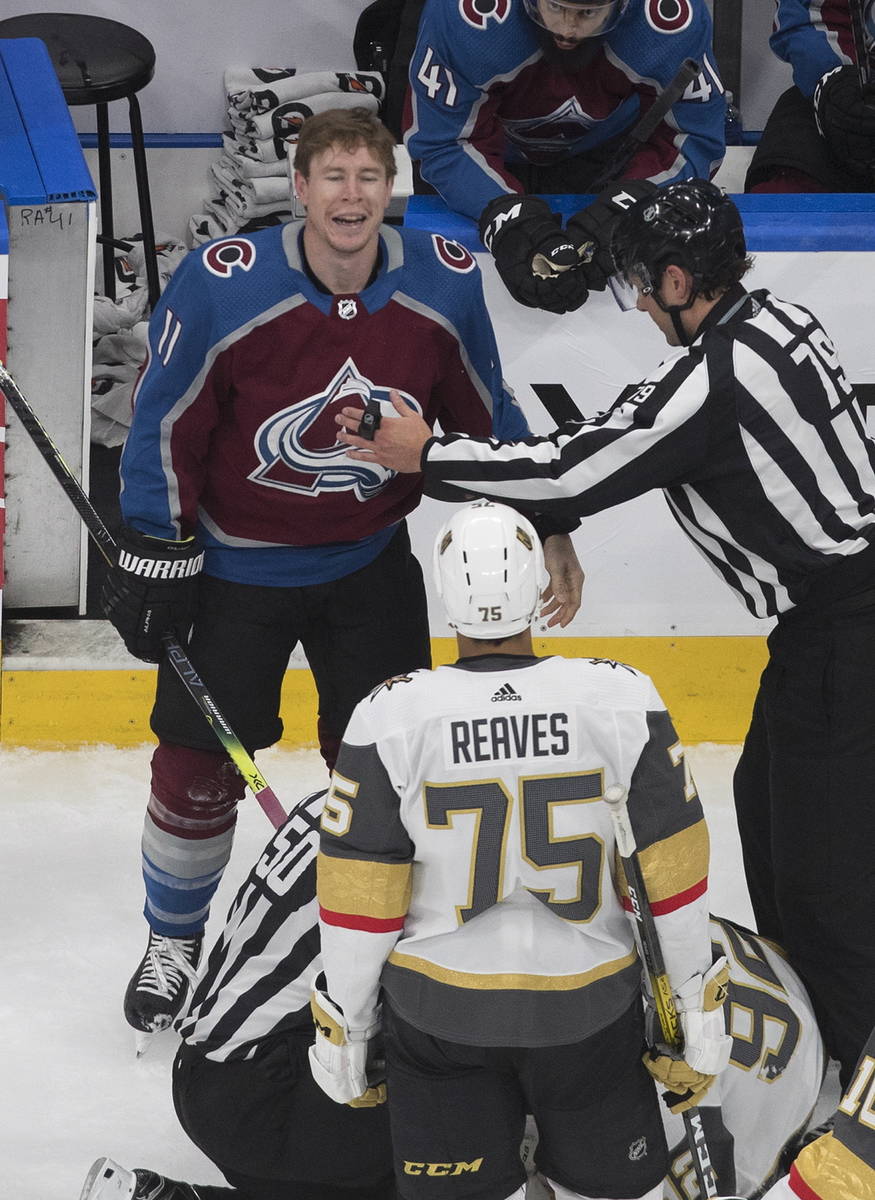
x=108, y=1181
x=143, y=1040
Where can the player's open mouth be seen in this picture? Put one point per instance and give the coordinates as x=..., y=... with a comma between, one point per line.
x=350, y=222
x=566, y=43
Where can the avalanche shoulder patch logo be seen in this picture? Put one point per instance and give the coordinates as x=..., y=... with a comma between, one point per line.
x=224, y=257
x=478, y=13
x=298, y=450
x=668, y=16
x=452, y=255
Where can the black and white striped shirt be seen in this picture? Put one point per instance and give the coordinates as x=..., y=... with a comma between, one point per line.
x=753, y=432
x=261, y=971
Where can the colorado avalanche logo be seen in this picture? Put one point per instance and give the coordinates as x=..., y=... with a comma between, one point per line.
x=480, y=12
x=222, y=258
x=545, y=134
x=298, y=450
x=452, y=255
x=668, y=16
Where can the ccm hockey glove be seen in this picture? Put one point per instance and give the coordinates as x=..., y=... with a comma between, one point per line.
x=340, y=1058
x=592, y=228
x=707, y=1045
x=533, y=256
x=845, y=114
x=150, y=590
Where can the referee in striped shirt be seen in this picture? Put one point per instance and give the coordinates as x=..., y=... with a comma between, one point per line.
x=758, y=442
x=242, y=1085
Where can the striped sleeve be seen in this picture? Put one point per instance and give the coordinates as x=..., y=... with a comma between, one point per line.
x=363, y=879
x=655, y=433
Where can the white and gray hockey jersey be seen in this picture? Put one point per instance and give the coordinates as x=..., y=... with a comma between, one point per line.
x=467, y=858
x=767, y=1093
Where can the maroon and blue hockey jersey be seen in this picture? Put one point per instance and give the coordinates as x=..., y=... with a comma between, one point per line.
x=815, y=36
x=234, y=433
x=483, y=96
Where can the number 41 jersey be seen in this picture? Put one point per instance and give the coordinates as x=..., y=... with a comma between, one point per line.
x=467, y=856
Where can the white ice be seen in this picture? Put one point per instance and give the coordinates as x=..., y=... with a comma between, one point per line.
x=71, y=900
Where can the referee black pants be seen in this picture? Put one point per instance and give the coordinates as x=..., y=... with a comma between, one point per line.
x=805, y=802
x=272, y=1131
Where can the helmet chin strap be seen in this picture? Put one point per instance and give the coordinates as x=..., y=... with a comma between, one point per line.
x=674, y=311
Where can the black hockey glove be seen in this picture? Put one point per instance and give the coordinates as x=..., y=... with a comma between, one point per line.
x=151, y=590
x=533, y=256
x=845, y=114
x=592, y=228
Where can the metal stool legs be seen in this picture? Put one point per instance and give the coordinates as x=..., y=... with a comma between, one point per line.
x=145, y=202
x=107, y=234
x=104, y=171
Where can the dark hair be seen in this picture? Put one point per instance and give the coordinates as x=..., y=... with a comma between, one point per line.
x=347, y=128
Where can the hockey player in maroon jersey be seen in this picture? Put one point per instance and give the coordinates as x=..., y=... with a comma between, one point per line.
x=467, y=876
x=232, y=464
x=820, y=136
x=536, y=97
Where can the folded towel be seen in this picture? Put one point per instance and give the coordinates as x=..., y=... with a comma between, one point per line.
x=285, y=120
x=245, y=167
x=206, y=227
x=261, y=88
x=267, y=189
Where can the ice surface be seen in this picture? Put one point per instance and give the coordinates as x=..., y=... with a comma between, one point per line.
x=73, y=932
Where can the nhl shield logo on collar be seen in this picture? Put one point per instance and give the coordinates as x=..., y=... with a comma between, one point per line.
x=347, y=309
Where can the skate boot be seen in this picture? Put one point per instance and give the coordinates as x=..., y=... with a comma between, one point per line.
x=160, y=983
x=108, y=1181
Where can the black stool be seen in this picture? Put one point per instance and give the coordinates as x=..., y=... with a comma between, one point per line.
x=98, y=61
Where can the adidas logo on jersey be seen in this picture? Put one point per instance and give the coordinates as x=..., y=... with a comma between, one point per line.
x=506, y=692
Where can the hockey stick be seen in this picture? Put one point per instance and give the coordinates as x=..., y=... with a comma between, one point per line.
x=855, y=8
x=176, y=654
x=666, y=1011
x=666, y=99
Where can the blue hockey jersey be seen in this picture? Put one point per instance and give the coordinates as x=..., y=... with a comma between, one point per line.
x=482, y=95
x=234, y=433
x=814, y=37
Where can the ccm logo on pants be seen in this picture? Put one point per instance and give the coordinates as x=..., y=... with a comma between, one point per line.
x=415, y=1168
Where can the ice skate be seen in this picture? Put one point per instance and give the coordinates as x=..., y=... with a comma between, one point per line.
x=158, y=989
x=108, y=1181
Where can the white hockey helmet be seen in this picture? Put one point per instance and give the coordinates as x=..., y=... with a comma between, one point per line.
x=489, y=570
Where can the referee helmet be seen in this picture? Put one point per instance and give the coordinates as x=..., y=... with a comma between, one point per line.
x=692, y=224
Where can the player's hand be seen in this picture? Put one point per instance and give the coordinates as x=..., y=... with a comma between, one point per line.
x=396, y=444
x=707, y=1045
x=341, y=1058
x=592, y=228
x=685, y=1087
x=535, y=259
x=845, y=114
x=561, y=597
x=150, y=590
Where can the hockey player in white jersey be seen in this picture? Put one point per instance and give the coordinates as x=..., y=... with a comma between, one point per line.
x=839, y=1165
x=760, y=1106
x=270, y=1132
x=757, y=1112
x=467, y=870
